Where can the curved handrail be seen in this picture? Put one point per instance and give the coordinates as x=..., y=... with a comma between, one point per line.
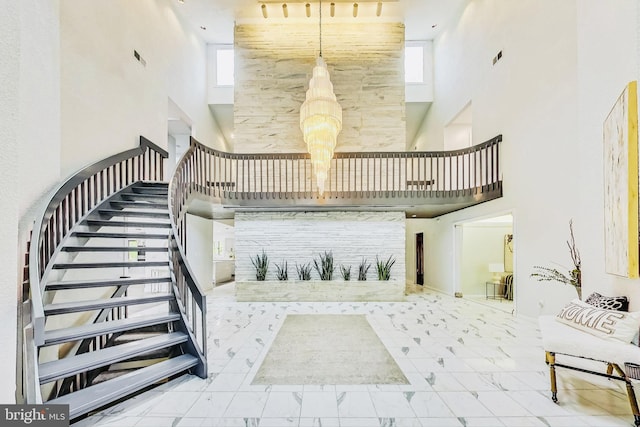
x=351, y=154
x=185, y=282
x=357, y=178
x=72, y=199
x=66, y=205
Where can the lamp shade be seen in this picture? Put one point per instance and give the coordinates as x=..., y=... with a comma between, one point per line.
x=497, y=267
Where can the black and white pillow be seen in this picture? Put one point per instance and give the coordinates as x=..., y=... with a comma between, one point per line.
x=610, y=303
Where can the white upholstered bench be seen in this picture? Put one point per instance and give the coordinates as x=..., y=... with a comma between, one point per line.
x=561, y=339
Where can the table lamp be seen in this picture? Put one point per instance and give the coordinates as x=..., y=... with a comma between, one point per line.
x=496, y=269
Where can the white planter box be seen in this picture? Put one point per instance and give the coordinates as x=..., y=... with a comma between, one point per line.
x=318, y=290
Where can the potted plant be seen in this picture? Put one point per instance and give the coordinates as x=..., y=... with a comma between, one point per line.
x=282, y=272
x=384, y=267
x=261, y=264
x=345, y=272
x=304, y=271
x=325, y=267
x=362, y=269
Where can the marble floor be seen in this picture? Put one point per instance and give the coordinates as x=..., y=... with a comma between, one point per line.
x=468, y=364
x=498, y=304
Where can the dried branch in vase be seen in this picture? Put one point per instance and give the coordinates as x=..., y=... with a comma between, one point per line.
x=573, y=277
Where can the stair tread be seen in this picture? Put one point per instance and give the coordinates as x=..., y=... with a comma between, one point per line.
x=135, y=224
x=96, y=396
x=148, y=214
x=142, y=195
x=57, y=336
x=108, y=235
x=129, y=264
x=160, y=184
x=150, y=188
x=139, y=204
x=96, y=283
x=114, y=249
x=136, y=336
x=151, y=191
x=51, y=371
x=98, y=304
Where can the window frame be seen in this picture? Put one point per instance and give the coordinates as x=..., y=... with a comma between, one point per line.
x=218, y=48
x=415, y=44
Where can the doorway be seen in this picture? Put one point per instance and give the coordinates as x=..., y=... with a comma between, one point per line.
x=485, y=261
x=420, y=258
x=179, y=132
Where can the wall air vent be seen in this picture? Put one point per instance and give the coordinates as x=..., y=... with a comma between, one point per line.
x=497, y=58
x=139, y=58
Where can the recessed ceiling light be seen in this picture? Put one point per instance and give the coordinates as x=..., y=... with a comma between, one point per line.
x=413, y=216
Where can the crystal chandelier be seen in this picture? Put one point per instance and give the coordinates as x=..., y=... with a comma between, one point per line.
x=320, y=118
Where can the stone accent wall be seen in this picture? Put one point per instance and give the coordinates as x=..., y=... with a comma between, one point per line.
x=298, y=237
x=273, y=65
x=318, y=290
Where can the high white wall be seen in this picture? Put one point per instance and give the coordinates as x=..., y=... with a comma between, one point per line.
x=563, y=66
x=30, y=155
x=299, y=237
x=457, y=137
x=607, y=60
x=9, y=172
x=200, y=249
x=108, y=97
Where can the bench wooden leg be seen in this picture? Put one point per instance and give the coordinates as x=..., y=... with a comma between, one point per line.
x=631, y=394
x=609, y=369
x=551, y=361
x=633, y=402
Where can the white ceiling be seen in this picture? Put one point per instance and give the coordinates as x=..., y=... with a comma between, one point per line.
x=423, y=19
x=214, y=20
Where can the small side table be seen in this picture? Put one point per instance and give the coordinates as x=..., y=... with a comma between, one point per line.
x=493, y=294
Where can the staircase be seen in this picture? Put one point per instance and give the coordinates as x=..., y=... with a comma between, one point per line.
x=113, y=325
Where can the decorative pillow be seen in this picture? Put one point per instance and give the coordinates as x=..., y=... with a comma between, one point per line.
x=610, y=303
x=608, y=324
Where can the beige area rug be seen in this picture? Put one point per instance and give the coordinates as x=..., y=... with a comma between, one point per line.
x=328, y=349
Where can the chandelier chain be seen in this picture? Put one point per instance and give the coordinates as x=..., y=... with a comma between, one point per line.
x=320, y=7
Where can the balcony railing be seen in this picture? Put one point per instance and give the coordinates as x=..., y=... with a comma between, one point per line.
x=360, y=179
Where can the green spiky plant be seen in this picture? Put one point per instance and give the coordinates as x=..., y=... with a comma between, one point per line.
x=261, y=264
x=384, y=267
x=345, y=272
x=325, y=267
x=304, y=271
x=282, y=271
x=362, y=269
